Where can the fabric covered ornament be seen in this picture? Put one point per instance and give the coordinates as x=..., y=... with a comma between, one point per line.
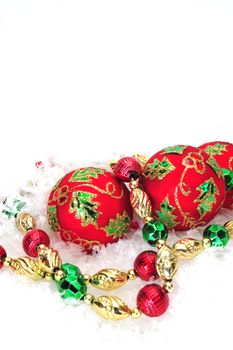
x=222, y=152
x=90, y=206
x=185, y=185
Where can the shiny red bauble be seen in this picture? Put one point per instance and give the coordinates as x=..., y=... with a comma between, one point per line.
x=33, y=239
x=144, y=265
x=90, y=206
x=185, y=185
x=127, y=167
x=222, y=152
x=152, y=300
x=2, y=256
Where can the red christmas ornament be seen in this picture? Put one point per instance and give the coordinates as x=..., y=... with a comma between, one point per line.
x=90, y=206
x=144, y=265
x=222, y=152
x=185, y=185
x=127, y=167
x=152, y=300
x=2, y=256
x=32, y=239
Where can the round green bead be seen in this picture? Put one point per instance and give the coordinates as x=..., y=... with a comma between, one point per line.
x=153, y=231
x=73, y=284
x=228, y=177
x=217, y=234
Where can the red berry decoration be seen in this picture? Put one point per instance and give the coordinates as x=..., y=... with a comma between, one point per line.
x=2, y=256
x=152, y=300
x=127, y=167
x=144, y=265
x=32, y=239
x=185, y=185
x=222, y=152
x=90, y=206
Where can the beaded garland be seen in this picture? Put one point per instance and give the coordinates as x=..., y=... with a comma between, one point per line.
x=160, y=262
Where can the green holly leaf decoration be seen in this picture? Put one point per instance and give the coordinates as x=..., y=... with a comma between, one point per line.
x=85, y=208
x=165, y=214
x=52, y=218
x=215, y=150
x=158, y=169
x=86, y=174
x=215, y=166
x=119, y=226
x=178, y=149
x=206, y=199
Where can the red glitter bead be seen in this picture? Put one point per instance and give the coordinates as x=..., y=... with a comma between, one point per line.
x=152, y=300
x=144, y=265
x=34, y=238
x=127, y=166
x=2, y=256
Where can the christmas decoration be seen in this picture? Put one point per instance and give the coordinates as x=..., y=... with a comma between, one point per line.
x=90, y=206
x=185, y=185
x=222, y=153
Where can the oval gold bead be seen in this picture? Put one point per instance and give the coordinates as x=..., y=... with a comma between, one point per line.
x=110, y=308
x=28, y=267
x=108, y=279
x=229, y=227
x=48, y=259
x=167, y=263
x=187, y=248
x=140, y=202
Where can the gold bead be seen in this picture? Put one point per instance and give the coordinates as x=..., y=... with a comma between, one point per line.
x=135, y=313
x=88, y=298
x=7, y=262
x=59, y=275
x=160, y=243
x=206, y=243
x=229, y=227
x=148, y=219
x=25, y=222
x=87, y=278
x=48, y=277
x=131, y=274
x=168, y=285
x=134, y=184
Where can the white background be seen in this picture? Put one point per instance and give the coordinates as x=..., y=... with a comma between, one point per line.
x=87, y=79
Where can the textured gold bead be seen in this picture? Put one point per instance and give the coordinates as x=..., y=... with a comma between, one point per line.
x=168, y=285
x=59, y=275
x=48, y=277
x=134, y=184
x=25, y=222
x=88, y=298
x=229, y=227
x=135, y=313
x=131, y=274
x=160, y=243
x=148, y=219
x=7, y=262
x=87, y=278
x=206, y=243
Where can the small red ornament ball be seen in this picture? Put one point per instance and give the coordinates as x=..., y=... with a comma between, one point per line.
x=90, y=206
x=144, y=265
x=152, y=300
x=185, y=185
x=222, y=152
x=33, y=239
x=127, y=167
x=2, y=256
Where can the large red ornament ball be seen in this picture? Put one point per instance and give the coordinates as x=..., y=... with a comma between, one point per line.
x=185, y=185
x=222, y=152
x=90, y=206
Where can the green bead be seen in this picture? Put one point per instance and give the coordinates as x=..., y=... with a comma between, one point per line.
x=217, y=234
x=228, y=177
x=153, y=231
x=73, y=284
